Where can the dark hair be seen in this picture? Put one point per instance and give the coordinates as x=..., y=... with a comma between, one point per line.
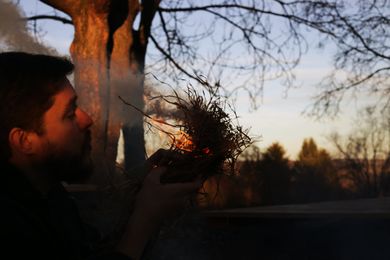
x=28, y=83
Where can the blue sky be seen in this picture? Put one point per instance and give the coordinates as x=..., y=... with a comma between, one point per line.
x=279, y=118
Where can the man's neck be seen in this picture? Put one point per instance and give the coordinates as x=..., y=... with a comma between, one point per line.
x=40, y=179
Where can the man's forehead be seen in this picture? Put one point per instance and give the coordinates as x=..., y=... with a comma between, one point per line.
x=63, y=101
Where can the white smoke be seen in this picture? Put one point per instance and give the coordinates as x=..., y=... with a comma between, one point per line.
x=14, y=34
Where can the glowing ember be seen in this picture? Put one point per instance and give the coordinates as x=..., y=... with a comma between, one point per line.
x=207, y=151
x=184, y=143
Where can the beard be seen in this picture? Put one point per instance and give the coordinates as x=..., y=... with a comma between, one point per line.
x=70, y=169
x=74, y=166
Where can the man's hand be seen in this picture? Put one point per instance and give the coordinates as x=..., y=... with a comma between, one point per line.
x=180, y=167
x=157, y=201
x=161, y=158
x=154, y=203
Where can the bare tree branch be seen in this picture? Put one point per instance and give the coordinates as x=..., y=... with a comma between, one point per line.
x=357, y=82
x=287, y=16
x=252, y=42
x=66, y=6
x=365, y=152
x=175, y=63
x=360, y=38
x=50, y=17
x=168, y=38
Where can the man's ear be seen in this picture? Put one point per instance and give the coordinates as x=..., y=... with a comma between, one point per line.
x=21, y=140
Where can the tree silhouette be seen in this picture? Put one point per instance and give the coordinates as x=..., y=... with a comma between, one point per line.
x=274, y=176
x=315, y=175
x=365, y=153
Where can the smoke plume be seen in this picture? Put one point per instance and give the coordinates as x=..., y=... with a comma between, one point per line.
x=14, y=34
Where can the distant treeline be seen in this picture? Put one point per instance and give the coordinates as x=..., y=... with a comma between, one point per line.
x=270, y=178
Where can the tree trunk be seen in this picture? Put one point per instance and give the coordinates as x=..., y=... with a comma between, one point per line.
x=89, y=54
x=109, y=57
x=127, y=81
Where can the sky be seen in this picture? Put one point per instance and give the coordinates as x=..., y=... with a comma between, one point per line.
x=278, y=118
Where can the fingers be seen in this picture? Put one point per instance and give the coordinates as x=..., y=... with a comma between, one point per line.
x=153, y=160
x=157, y=156
x=163, y=157
x=156, y=173
x=173, y=188
x=156, y=159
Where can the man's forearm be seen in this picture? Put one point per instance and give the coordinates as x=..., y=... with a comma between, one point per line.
x=139, y=230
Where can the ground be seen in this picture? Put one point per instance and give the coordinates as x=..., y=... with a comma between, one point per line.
x=358, y=229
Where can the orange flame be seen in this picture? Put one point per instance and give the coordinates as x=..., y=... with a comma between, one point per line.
x=184, y=143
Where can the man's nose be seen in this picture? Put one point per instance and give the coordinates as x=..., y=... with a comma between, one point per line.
x=83, y=119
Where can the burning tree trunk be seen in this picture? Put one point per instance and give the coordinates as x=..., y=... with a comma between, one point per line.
x=109, y=56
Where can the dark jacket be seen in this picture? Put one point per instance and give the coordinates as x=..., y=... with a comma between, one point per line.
x=43, y=227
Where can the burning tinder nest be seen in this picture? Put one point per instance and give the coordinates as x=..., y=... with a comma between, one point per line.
x=205, y=138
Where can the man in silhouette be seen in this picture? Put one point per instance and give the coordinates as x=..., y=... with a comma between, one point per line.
x=44, y=141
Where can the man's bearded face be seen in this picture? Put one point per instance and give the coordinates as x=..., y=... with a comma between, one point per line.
x=66, y=138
